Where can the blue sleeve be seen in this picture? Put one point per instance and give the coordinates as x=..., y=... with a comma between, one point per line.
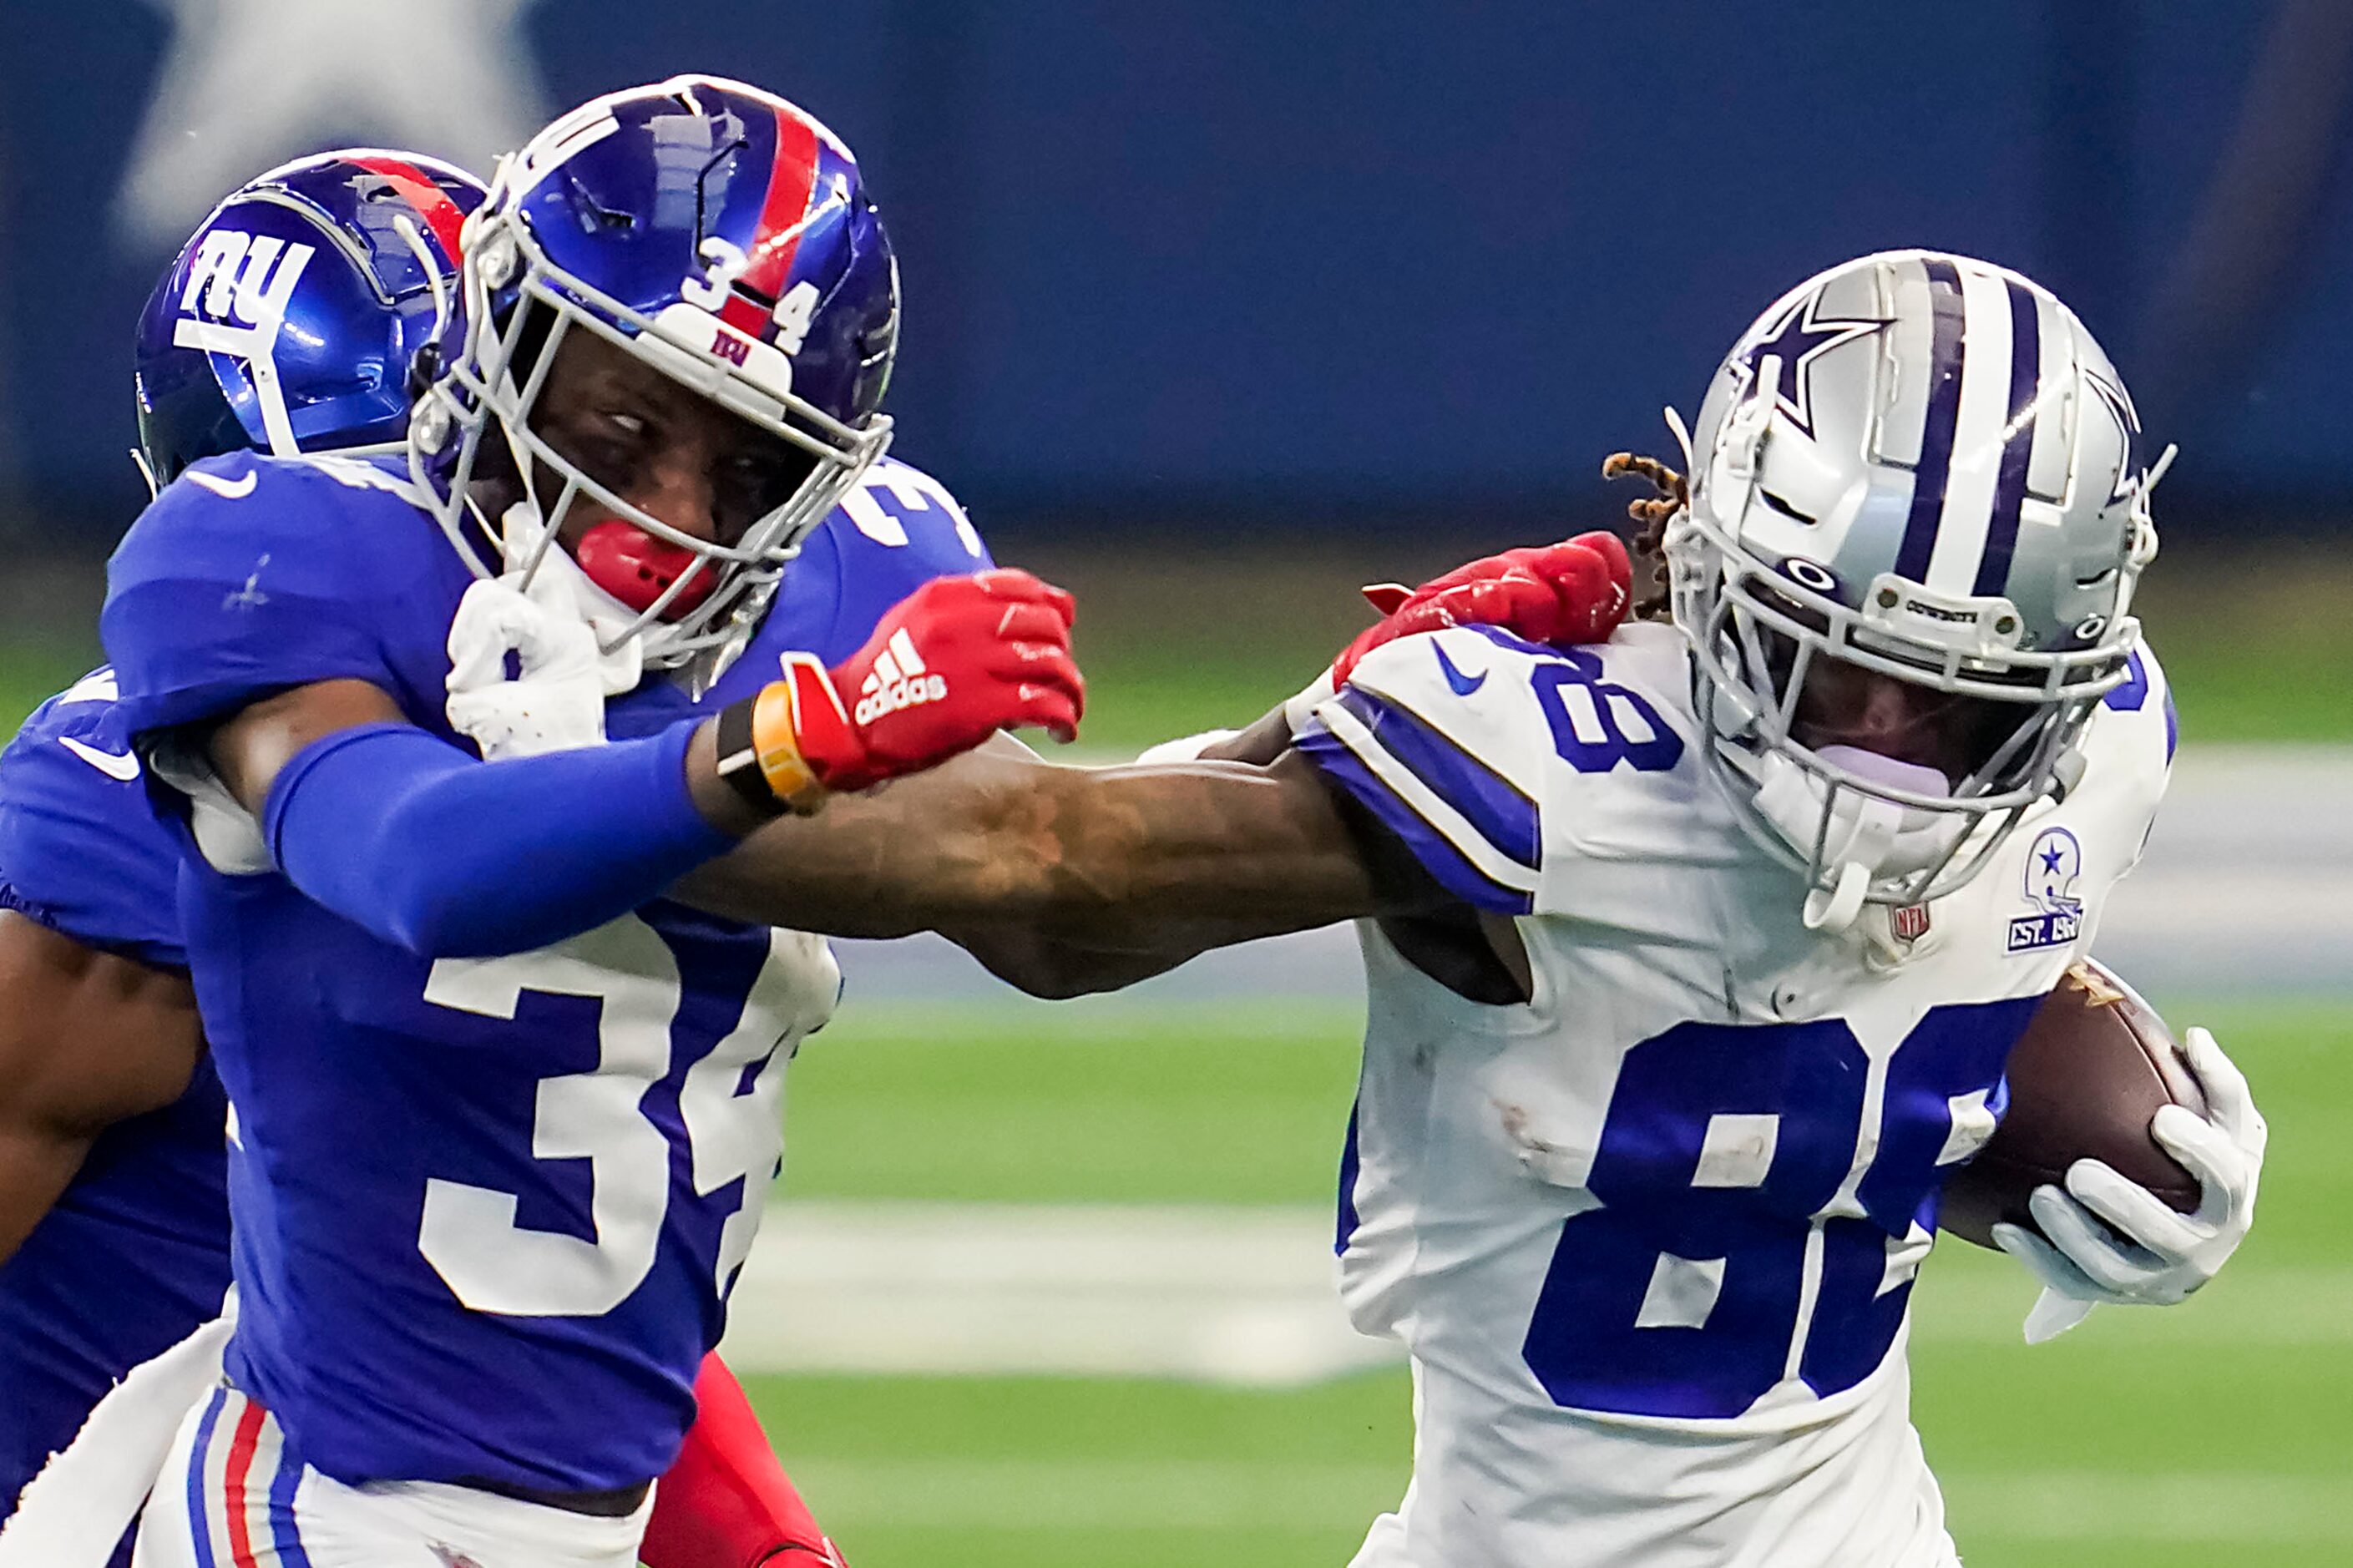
x=424, y=845
x=896, y=531
x=250, y=575
x=81, y=850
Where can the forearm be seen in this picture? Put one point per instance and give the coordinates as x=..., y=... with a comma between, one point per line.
x=1098, y=956
x=1092, y=955
x=1117, y=853
x=1261, y=743
x=447, y=856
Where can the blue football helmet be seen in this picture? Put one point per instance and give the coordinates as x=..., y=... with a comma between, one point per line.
x=289, y=321
x=718, y=234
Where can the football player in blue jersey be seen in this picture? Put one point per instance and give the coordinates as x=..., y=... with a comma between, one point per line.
x=504, y=1116
x=114, y=1218
x=420, y=1302
x=288, y=324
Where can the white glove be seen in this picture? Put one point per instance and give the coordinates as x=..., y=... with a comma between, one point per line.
x=2146, y=1253
x=556, y=701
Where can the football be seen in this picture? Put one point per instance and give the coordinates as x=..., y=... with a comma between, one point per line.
x=2095, y=1064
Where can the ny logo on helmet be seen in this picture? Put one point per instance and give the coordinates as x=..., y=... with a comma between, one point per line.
x=236, y=299
x=243, y=279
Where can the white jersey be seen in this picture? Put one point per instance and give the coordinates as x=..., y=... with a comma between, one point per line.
x=1651, y=1237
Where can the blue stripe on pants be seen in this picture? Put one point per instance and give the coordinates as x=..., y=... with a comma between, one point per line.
x=200, y=1527
x=285, y=1530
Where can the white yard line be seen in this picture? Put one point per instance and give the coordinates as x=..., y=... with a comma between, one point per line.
x=1983, y=1300
x=1235, y=1296
x=1083, y=1494
x=1244, y=1297
x=1080, y=1494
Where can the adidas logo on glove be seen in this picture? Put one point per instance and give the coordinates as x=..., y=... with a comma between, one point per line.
x=899, y=679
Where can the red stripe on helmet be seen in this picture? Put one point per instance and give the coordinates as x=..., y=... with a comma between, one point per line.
x=744, y=316
x=431, y=202
x=792, y=180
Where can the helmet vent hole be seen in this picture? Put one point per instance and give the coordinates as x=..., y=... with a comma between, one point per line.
x=1784, y=509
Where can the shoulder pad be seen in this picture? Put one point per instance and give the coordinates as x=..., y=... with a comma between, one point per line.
x=2143, y=701
x=1464, y=741
x=249, y=575
x=1430, y=740
x=2128, y=754
x=899, y=529
x=897, y=506
x=81, y=849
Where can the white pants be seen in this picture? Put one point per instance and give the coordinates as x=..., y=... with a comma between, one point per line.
x=226, y=1501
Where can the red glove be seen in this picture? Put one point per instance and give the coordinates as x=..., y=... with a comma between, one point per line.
x=950, y=664
x=727, y=1503
x=1573, y=592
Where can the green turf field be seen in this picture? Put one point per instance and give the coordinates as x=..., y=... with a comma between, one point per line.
x=2216, y=1432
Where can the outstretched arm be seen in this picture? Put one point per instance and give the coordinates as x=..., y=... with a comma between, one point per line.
x=407, y=836
x=1037, y=866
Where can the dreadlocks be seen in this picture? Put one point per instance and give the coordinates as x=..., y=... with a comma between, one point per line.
x=1651, y=514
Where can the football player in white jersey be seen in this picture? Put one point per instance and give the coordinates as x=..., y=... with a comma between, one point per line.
x=1694, y=957
x=1651, y=1237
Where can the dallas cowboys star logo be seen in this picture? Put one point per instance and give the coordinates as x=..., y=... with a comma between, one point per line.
x=2119, y=405
x=1796, y=340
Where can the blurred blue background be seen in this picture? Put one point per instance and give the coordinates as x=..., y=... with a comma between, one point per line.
x=1284, y=263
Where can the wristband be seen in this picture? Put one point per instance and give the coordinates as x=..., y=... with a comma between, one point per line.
x=777, y=743
x=760, y=753
x=739, y=759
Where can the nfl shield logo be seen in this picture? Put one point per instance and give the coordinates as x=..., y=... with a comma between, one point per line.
x=1909, y=921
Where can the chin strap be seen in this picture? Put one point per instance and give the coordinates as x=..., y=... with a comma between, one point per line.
x=1875, y=830
x=1836, y=911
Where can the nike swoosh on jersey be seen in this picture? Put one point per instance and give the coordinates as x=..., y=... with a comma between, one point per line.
x=228, y=489
x=1464, y=685
x=121, y=765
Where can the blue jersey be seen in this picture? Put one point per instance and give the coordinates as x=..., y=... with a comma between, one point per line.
x=486, y=1210
x=135, y=1253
